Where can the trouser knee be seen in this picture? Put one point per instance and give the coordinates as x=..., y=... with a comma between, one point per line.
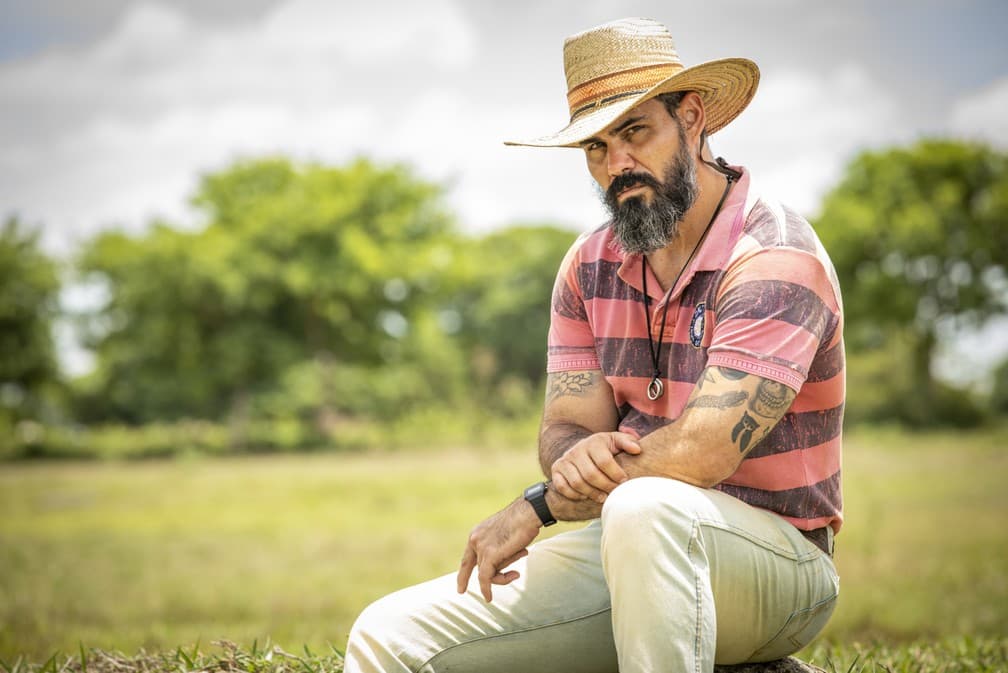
x=369, y=646
x=642, y=506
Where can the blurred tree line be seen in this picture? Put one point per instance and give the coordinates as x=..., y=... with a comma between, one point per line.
x=919, y=238
x=325, y=306
x=317, y=306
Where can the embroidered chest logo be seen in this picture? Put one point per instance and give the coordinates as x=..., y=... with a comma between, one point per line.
x=696, y=326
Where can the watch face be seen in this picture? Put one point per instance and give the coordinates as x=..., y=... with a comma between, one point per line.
x=535, y=491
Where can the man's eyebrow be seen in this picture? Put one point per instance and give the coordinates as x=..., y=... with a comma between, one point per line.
x=628, y=122
x=615, y=131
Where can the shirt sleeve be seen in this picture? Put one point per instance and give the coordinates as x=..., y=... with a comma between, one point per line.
x=775, y=309
x=571, y=342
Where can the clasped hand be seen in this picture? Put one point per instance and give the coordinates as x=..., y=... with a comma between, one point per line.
x=588, y=470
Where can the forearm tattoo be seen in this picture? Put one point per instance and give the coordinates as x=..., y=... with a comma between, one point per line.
x=569, y=383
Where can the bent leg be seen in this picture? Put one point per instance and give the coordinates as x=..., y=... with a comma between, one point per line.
x=698, y=576
x=555, y=617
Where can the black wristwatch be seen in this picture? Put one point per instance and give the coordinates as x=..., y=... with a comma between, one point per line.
x=536, y=496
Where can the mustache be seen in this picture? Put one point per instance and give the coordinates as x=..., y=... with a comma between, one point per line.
x=627, y=180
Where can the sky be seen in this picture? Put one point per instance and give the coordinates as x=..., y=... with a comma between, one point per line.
x=113, y=109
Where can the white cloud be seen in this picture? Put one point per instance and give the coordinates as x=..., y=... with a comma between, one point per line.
x=984, y=115
x=804, y=126
x=365, y=34
x=453, y=138
x=120, y=131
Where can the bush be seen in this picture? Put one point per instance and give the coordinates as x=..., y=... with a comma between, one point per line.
x=882, y=388
x=999, y=394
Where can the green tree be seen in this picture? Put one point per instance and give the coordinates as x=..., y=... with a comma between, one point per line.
x=324, y=265
x=999, y=395
x=29, y=287
x=919, y=241
x=504, y=282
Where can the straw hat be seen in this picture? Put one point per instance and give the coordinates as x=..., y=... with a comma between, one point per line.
x=616, y=66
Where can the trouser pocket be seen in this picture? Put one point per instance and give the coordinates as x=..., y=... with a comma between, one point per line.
x=798, y=631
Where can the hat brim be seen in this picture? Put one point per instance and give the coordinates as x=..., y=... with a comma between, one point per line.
x=726, y=87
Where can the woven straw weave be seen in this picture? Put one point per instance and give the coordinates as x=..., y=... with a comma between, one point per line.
x=614, y=67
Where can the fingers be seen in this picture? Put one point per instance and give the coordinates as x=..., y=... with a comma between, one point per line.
x=496, y=542
x=487, y=571
x=522, y=554
x=589, y=468
x=465, y=570
x=487, y=567
x=604, y=459
x=567, y=480
x=505, y=578
x=624, y=442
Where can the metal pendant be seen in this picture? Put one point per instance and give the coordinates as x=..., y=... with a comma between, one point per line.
x=655, y=389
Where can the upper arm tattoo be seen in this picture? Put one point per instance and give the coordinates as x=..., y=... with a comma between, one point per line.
x=732, y=374
x=732, y=398
x=767, y=403
x=570, y=383
x=743, y=431
x=772, y=399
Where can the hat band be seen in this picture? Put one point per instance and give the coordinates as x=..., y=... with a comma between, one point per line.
x=602, y=90
x=594, y=105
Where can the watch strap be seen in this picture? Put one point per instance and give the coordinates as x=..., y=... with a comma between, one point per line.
x=535, y=495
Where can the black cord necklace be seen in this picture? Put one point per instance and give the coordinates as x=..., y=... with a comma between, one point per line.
x=656, y=388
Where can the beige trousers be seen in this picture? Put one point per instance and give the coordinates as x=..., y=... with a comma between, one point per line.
x=671, y=578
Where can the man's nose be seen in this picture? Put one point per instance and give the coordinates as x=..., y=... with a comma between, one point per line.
x=620, y=160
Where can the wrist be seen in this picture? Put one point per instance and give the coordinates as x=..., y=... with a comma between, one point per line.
x=526, y=513
x=565, y=509
x=554, y=501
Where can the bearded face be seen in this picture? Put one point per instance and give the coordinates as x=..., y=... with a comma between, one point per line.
x=642, y=227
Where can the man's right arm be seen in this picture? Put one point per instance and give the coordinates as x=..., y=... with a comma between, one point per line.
x=578, y=443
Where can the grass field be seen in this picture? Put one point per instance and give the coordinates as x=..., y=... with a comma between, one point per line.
x=287, y=549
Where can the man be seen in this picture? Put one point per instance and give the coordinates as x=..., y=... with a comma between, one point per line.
x=693, y=411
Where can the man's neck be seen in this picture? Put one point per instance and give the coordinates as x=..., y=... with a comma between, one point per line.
x=669, y=262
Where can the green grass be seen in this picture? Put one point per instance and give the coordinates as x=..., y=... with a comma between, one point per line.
x=287, y=549
x=924, y=549
x=961, y=655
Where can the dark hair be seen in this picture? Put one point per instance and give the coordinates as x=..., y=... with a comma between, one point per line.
x=672, y=99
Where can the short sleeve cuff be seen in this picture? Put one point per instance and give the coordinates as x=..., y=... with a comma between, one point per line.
x=569, y=362
x=773, y=371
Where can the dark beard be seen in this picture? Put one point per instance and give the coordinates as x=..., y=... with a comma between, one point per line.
x=641, y=227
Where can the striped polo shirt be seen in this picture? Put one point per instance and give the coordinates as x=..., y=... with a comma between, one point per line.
x=760, y=296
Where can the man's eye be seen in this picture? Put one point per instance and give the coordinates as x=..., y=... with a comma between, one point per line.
x=594, y=147
x=629, y=133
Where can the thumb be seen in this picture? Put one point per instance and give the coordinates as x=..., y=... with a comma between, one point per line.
x=624, y=442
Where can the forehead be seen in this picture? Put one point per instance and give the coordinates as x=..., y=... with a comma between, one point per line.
x=650, y=110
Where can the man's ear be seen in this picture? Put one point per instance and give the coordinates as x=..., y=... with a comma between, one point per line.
x=693, y=115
